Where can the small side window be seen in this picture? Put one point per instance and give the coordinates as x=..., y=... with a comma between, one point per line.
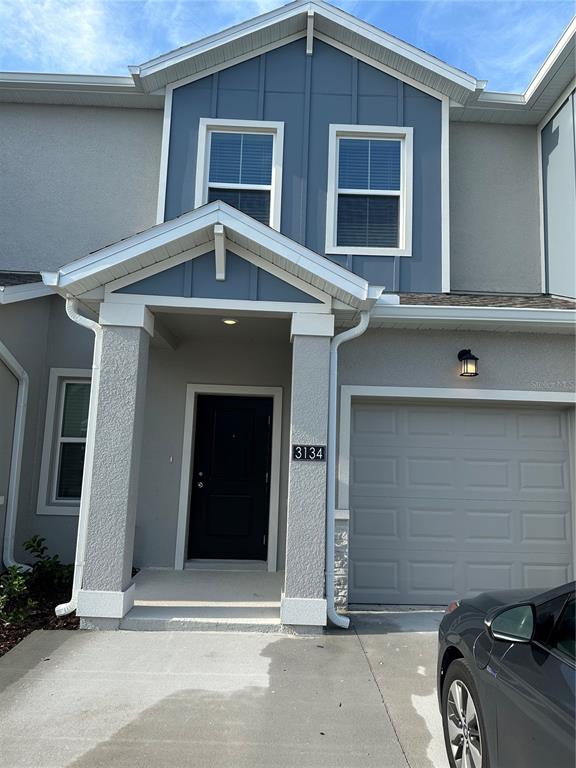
x=564, y=636
x=65, y=433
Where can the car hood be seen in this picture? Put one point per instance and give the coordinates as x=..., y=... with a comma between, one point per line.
x=489, y=600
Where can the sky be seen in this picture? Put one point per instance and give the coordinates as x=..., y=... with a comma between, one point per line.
x=495, y=40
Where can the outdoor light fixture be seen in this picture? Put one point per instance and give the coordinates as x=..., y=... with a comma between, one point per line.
x=229, y=321
x=468, y=363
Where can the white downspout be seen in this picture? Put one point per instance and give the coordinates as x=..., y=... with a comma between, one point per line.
x=73, y=314
x=16, y=457
x=334, y=617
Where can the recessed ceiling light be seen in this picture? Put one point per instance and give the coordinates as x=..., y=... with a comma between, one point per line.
x=229, y=321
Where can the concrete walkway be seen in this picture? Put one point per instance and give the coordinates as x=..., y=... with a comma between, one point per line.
x=216, y=700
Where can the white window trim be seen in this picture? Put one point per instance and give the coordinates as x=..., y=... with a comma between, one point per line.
x=47, y=502
x=208, y=125
x=405, y=136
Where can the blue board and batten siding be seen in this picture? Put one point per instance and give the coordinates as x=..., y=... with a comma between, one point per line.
x=307, y=94
x=197, y=278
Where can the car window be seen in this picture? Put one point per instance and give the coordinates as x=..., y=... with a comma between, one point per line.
x=547, y=615
x=564, y=637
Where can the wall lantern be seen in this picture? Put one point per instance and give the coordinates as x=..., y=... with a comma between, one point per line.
x=468, y=363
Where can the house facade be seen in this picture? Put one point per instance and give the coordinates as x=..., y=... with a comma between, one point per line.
x=298, y=297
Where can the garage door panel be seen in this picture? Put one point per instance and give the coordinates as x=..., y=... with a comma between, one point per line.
x=457, y=500
x=514, y=526
x=525, y=474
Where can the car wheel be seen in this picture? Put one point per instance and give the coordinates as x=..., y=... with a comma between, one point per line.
x=462, y=718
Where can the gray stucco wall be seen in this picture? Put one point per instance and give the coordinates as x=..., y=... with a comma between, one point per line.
x=113, y=496
x=307, y=94
x=200, y=361
x=73, y=179
x=559, y=198
x=305, y=547
x=415, y=358
x=494, y=218
x=40, y=336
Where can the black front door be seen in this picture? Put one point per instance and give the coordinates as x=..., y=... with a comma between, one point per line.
x=231, y=478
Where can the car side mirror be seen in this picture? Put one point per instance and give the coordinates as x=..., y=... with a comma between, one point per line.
x=513, y=624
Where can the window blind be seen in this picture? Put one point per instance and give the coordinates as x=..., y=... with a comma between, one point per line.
x=241, y=158
x=371, y=164
x=368, y=221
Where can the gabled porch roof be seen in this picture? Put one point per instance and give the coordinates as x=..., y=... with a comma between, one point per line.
x=172, y=238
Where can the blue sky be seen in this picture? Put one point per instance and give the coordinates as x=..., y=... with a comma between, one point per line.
x=495, y=40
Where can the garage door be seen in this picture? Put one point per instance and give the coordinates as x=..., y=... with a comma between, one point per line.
x=449, y=500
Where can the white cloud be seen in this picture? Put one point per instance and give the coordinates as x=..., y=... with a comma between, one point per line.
x=504, y=42
x=64, y=36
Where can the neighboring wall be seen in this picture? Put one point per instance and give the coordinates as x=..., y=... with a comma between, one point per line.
x=559, y=199
x=494, y=209
x=73, y=179
x=246, y=361
x=307, y=94
x=40, y=336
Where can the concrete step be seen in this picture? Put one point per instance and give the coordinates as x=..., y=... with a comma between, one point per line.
x=202, y=619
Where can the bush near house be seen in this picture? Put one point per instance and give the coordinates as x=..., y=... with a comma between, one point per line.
x=28, y=597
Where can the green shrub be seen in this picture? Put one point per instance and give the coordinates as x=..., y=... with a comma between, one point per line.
x=16, y=604
x=24, y=591
x=48, y=575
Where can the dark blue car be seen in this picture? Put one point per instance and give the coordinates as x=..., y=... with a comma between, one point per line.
x=506, y=679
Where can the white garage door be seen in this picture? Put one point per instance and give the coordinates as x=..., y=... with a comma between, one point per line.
x=448, y=500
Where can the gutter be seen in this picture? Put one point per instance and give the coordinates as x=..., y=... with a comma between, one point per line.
x=72, y=311
x=518, y=317
x=352, y=333
x=16, y=457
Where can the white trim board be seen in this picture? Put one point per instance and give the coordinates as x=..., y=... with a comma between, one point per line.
x=348, y=392
x=192, y=391
x=45, y=504
x=164, y=155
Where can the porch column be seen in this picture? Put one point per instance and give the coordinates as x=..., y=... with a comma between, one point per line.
x=303, y=601
x=107, y=589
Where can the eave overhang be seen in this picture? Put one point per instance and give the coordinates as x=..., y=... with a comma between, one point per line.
x=289, y=22
x=169, y=239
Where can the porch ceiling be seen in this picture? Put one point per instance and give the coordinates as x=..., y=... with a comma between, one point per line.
x=85, y=276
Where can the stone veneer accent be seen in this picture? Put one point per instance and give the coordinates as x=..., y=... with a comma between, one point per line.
x=341, y=563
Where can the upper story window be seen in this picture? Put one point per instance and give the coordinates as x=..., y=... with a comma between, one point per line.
x=240, y=163
x=369, y=203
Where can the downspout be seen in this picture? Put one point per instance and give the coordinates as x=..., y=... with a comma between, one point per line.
x=352, y=333
x=16, y=457
x=73, y=314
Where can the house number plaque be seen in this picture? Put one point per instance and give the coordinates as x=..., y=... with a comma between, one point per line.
x=309, y=452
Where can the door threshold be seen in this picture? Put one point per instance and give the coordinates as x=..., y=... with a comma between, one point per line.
x=198, y=564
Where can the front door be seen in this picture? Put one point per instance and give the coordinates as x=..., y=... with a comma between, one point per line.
x=231, y=478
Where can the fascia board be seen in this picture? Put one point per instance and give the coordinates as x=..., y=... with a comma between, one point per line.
x=335, y=15
x=12, y=293
x=206, y=44
x=511, y=315
x=566, y=40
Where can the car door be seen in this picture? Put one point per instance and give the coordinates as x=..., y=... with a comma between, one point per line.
x=536, y=687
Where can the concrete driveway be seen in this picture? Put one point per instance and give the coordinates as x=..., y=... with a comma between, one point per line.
x=213, y=700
